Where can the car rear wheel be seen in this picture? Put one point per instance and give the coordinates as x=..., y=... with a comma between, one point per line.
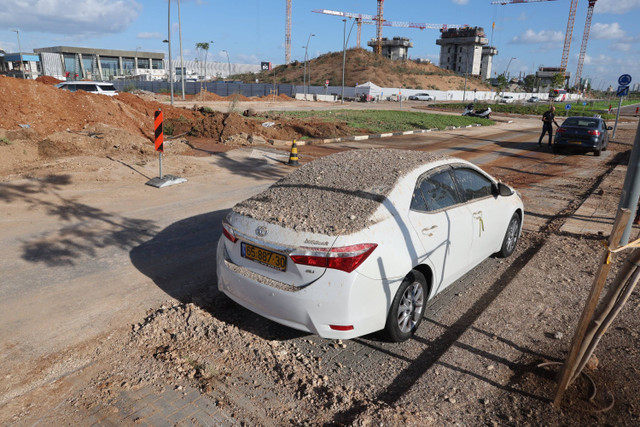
x=407, y=307
x=510, y=237
x=597, y=152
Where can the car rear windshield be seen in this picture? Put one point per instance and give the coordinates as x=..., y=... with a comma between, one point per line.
x=87, y=88
x=586, y=123
x=108, y=88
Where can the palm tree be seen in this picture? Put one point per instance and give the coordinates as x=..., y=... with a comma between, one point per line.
x=204, y=46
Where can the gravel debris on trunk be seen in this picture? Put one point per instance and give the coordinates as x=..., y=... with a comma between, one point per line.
x=335, y=194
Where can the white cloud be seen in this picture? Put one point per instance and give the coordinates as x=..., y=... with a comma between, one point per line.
x=461, y=2
x=150, y=36
x=621, y=47
x=601, y=59
x=522, y=17
x=69, y=17
x=616, y=6
x=543, y=36
x=606, y=31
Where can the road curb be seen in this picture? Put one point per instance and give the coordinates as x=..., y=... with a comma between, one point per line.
x=365, y=137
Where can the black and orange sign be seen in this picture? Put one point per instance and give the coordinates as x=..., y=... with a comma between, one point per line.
x=159, y=136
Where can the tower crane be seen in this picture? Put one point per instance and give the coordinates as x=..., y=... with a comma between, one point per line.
x=568, y=35
x=379, y=27
x=287, y=35
x=585, y=40
x=370, y=19
x=503, y=2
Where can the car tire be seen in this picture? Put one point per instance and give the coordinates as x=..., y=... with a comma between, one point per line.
x=407, y=308
x=511, y=237
x=597, y=152
x=555, y=149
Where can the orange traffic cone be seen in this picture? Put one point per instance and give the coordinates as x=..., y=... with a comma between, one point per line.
x=293, y=157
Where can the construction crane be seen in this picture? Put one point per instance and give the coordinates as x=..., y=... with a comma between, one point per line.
x=287, y=35
x=585, y=40
x=370, y=19
x=503, y=2
x=379, y=27
x=568, y=35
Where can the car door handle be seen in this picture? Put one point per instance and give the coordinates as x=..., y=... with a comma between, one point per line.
x=427, y=230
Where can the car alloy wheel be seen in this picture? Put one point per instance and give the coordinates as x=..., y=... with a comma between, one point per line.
x=511, y=236
x=407, y=307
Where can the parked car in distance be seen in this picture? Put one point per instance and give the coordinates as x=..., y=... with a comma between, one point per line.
x=533, y=99
x=421, y=97
x=583, y=133
x=102, y=88
x=506, y=99
x=341, y=256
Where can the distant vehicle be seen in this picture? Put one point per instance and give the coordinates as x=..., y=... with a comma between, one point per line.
x=102, y=88
x=485, y=113
x=583, y=133
x=558, y=95
x=533, y=99
x=506, y=99
x=421, y=97
x=383, y=246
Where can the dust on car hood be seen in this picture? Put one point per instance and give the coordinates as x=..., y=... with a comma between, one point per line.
x=336, y=194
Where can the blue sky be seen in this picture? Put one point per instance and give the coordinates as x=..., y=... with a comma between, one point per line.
x=254, y=30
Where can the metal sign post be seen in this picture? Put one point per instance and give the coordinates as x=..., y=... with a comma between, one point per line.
x=623, y=90
x=167, y=180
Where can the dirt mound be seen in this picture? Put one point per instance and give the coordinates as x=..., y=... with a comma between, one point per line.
x=362, y=66
x=48, y=80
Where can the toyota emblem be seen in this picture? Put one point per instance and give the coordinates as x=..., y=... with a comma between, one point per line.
x=261, y=231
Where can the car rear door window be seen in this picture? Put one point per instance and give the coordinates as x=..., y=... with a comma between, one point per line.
x=472, y=184
x=439, y=191
x=87, y=88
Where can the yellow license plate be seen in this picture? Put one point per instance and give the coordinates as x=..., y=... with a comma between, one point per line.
x=575, y=142
x=265, y=257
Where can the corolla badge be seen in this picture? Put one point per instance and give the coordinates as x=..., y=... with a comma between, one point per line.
x=261, y=231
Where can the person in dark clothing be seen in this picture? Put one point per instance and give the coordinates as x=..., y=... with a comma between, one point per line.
x=548, y=118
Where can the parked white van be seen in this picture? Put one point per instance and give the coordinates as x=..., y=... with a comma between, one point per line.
x=103, y=88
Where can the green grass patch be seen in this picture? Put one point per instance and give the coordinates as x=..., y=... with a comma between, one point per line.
x=383, y=121
x=538, y=108
x=5, y=141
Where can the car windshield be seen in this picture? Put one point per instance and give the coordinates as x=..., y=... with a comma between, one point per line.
x=581, y=122
x=108, y=87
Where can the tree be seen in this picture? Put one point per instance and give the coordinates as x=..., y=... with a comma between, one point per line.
x=204, y=46
x=530, y=82
x=557, y=81
x=501, y=82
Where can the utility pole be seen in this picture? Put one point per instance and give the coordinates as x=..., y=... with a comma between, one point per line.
x=181, y=58
x=20, y=53
x=169, y=45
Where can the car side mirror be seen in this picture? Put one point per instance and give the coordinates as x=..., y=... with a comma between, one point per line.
x=501, y=189
x=609, y=127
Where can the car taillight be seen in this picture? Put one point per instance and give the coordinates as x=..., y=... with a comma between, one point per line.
x=561, y=130
x=228, y=233
x=594, y=132
x=346, y=258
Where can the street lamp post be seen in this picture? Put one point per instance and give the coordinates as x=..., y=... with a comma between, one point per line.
x=168, y=41
x=228, y=63
x=344, y=53
x=306, y=65
x=181, y=58
x=507, y=70
x=20, y=53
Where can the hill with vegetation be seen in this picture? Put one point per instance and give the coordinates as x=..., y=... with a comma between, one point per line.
x=362, y=66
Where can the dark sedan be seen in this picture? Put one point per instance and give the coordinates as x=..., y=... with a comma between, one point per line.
x=583, y=133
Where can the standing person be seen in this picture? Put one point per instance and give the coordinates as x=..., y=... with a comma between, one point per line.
x=548, y=118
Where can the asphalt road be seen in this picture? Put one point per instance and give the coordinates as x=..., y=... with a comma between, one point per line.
x=81, y=260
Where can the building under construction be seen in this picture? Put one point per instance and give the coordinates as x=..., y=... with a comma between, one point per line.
x=394, y=49
x=466, y=50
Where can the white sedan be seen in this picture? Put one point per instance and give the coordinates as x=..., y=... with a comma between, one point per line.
x=359, y=241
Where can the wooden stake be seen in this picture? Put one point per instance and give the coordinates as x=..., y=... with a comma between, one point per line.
x=596, y=289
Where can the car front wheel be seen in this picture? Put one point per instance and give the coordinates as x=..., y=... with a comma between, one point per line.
x=407, y=307
x=510, y=237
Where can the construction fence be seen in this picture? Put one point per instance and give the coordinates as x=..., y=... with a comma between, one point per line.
x=219, y=88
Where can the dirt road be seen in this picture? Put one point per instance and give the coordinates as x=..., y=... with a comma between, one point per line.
x=86, y=254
